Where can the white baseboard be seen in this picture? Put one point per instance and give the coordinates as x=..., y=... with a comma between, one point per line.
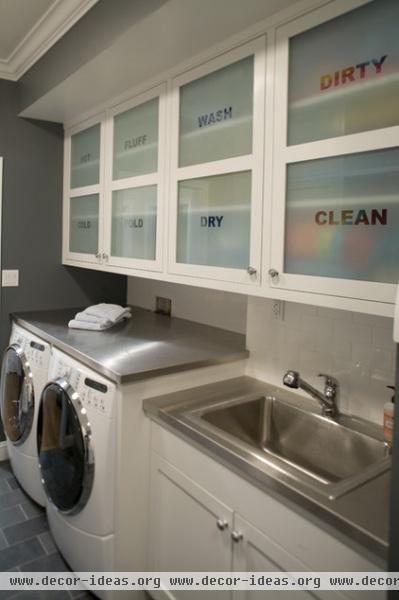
x=3, y=451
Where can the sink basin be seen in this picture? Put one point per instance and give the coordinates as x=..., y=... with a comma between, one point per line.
x=334, y=456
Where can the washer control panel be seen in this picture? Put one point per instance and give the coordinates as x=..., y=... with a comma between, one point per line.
x=95, y=393
x=37, y=353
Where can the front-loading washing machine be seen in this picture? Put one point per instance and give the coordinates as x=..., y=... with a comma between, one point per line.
x=23, y=376
x=77, y=455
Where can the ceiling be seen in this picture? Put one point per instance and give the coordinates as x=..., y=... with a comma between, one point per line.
x=174, y=31
x=17, y=17
x=28, y=28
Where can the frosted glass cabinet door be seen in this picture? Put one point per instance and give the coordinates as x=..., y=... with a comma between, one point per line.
x=342, y=217
x=134, y=219
x=344, y=74
x=216, y=115
x=85, y=157
x=136, y=141
x=83, y=224
x=213, y=225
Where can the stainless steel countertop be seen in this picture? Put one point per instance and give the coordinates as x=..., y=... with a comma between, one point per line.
x=361, y=515
x=147, y=345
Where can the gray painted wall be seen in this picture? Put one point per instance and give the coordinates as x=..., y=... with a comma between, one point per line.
x=32, y=221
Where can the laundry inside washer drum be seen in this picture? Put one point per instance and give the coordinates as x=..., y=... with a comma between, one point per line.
x=61, y=448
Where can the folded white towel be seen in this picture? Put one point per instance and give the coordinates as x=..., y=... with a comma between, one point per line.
x=100, y=317
x=98, y=326
x=112, y=312
x=84, y=317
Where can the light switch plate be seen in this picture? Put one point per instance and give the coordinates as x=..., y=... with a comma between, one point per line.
x=10, y=278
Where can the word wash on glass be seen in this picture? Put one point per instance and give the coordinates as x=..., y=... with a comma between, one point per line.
x=211, y=118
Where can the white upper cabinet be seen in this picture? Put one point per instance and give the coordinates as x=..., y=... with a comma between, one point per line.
x=268, y=167
x=83, y=197
x=135, y=198
x=216, y=167
x=336, y=167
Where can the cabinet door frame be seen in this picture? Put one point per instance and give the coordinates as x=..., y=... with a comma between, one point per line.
x=213, y=505
x=285, y=154
x=278, y=555
x=251, y=162
x=69, y=192
x=157, y=178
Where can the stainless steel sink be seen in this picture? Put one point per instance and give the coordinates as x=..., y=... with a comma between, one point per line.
x=332, y=456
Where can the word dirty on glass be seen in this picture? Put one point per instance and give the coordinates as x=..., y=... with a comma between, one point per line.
x=84, y=224
x=352, y=217
x=353, y=73
x=211, y=118
x=134, y=222
x=212, y=221
x=140, y=140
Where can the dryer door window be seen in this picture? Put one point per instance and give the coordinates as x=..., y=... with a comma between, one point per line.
x=17, y=397
x=65, y=456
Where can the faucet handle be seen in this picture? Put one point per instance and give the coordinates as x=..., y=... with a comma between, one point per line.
x=330, y=380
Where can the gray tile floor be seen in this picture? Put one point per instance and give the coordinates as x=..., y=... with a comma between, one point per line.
x=25, y=540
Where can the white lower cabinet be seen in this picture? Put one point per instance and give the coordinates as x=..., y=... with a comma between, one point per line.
x=189, y=528
x=204, y=517
x=257, y=552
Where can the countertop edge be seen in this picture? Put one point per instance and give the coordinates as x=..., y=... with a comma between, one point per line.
x=118, y=378
x=372, y=546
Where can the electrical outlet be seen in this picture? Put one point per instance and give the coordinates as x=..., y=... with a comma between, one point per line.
x=10, y=278
x=163, y=306
x=278, y=310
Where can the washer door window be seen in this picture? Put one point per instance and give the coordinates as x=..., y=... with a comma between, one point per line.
x=17, y=397
x=65, y=456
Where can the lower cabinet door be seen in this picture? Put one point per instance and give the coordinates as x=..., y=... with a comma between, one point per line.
x=189, y=529
x=256, y=552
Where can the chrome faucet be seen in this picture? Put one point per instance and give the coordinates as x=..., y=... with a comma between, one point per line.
x=328, y=400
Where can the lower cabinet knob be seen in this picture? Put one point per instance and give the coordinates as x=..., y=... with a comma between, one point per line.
x=273, y=273
x=251, y=271
x=236, y=536
x=98, y=256
x=222, y=524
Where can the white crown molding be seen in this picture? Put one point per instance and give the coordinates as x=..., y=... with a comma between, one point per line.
x=54, y=23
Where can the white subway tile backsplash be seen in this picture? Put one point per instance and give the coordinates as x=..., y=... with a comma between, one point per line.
x=383, y=337
x=321, y=327
x=332, y=313
x=356, y=349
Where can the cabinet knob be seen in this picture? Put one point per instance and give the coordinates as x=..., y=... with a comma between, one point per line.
x=98, y=256
x=236, y=536
x=273, y=273
x=105, y=256
x=222, y=524
x=251, y=270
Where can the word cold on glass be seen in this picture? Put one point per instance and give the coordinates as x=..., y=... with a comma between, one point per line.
x=83, y=224
x=134, y=215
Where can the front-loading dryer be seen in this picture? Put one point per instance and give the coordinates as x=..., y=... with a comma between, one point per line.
x=77, y=456
x=23, y=376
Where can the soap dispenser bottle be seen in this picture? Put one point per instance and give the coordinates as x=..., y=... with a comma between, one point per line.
x=389, y=412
